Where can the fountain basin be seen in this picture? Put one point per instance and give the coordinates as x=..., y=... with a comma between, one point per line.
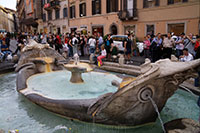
x=94, y=86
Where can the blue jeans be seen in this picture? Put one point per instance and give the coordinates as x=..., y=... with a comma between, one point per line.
x=92, y=49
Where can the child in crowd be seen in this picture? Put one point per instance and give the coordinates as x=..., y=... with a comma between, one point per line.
x=103, y=55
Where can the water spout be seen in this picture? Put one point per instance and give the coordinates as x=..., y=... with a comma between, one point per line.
x=159, y=117
x=189, y=91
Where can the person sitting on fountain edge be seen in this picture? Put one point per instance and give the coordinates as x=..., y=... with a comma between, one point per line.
x=186, y=56
x=103, y=55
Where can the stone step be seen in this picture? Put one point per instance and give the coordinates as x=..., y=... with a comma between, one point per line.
x=122, y=66
x=120, y=70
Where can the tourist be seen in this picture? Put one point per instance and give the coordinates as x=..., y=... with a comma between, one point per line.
x=186, y=56
x=82, y=44
x=134, y=45
x=146, y=45
x=51, y=41
x=92, y=44
x=197, y=43
x=189, y=43
x=96, y=54
x=87, y=47
x=108, y=44
x=100, y=40
x=155, y=47
x=5, y=50
x=74, y=43
x=58, y=44
x=128, y=48
x=102, y=56
x=70, y=46
x=180, y=45
x=43, y=38
x=168, y=44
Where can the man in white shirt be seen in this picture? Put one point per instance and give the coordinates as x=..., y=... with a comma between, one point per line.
x=168, y=44
x=92, y=44
x=186, y=56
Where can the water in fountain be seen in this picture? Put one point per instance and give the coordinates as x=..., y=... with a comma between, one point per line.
x=68, y=90
x=159, y=117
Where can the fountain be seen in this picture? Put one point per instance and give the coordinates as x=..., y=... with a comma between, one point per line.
x=77, y=69
x=125, y=105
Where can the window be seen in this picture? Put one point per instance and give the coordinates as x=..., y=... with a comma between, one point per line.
x=49, y=15
x=44, y=17
x=96, y=7
x=82, y=9
x=150, y=29
x=176, y=1
x=57, y=13
x=72, y=12
x=176, y=28
x=150, y=3
x=112, y=6
x=65, y=13
x=130, y=28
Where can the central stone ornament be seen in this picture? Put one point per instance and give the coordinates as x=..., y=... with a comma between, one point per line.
x=76, y=72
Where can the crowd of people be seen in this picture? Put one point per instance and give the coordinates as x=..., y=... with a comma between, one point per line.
x=186, y=48
x=157, y=47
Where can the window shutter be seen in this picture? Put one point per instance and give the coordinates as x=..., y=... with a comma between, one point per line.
x=157, y=3
x=99, y=6
x=74, y=15
x=84, y=11
x=108, y=6
x=93, y=7
x=70, y=12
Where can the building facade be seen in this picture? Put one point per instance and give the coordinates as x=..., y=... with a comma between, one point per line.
x=141, y=17
x=55, y=16
x=7, y=20
x=29, y=14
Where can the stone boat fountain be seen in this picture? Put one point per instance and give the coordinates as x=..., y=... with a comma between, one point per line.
x=129, y=104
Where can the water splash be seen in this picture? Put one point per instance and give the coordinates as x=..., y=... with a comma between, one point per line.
x=159, y=117
x=60, y=127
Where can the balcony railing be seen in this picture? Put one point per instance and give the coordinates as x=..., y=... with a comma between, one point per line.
x=128, y=14
x=55, y=4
